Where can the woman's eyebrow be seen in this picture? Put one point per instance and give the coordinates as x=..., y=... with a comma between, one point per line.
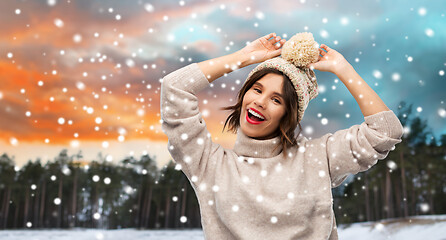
x=257, y=83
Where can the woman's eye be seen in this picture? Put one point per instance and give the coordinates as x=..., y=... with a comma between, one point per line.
x=258, y=90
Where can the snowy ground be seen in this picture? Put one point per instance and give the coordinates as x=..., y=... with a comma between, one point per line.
x=415, y=228
x=419, y=227
x=95, y=234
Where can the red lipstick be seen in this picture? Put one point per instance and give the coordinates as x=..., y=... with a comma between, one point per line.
x=252, y=121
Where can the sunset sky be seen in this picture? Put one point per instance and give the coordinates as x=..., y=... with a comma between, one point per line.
x=85, y=74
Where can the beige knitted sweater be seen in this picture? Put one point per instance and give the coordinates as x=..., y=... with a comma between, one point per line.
x=252, y=192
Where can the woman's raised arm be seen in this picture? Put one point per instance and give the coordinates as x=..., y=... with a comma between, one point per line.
x=257, y=51
x=332, y=61
x=359, y=147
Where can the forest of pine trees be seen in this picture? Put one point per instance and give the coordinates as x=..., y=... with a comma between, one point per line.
x=71, y=192
x=410, y=181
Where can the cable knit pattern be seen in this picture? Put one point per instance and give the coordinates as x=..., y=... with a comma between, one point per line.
x=253, y=192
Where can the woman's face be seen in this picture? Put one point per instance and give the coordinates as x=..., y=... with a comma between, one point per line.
x=264, y=97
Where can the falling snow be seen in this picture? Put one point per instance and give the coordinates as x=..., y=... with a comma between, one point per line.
x=13, y=141
x=95, y=91
x=58, y=22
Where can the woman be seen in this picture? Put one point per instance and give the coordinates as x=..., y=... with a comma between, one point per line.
x=271, y=185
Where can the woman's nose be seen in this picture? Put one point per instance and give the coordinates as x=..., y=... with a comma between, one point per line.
x=260, y=102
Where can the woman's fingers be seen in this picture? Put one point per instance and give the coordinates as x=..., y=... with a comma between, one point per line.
x=274, y=40
x=322, y=52
x=279, y=44
x=325, y=47
x=270, y=36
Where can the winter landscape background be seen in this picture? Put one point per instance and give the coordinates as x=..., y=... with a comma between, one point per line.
x=81, y=144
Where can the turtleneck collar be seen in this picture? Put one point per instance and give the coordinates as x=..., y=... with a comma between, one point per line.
x=250, y=147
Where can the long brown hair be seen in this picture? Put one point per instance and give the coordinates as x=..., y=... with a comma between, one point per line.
x=287, y=124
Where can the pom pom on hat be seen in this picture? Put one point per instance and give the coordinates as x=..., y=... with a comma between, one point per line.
x=301, y=49
x=297, y=53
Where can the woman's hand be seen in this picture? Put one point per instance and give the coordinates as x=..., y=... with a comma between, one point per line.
x=329, y=61
x=263, y=49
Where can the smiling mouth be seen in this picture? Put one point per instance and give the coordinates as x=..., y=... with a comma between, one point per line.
x=253, y=119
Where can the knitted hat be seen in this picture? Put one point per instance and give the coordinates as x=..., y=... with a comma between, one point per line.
x=297, y=53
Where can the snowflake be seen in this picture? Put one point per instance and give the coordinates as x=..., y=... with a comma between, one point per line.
x=274, y=219
x=235, y=208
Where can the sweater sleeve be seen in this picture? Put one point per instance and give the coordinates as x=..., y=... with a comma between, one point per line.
x=189, y=142
x=359, y=147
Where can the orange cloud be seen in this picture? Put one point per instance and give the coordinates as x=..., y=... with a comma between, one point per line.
x=36, y=53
